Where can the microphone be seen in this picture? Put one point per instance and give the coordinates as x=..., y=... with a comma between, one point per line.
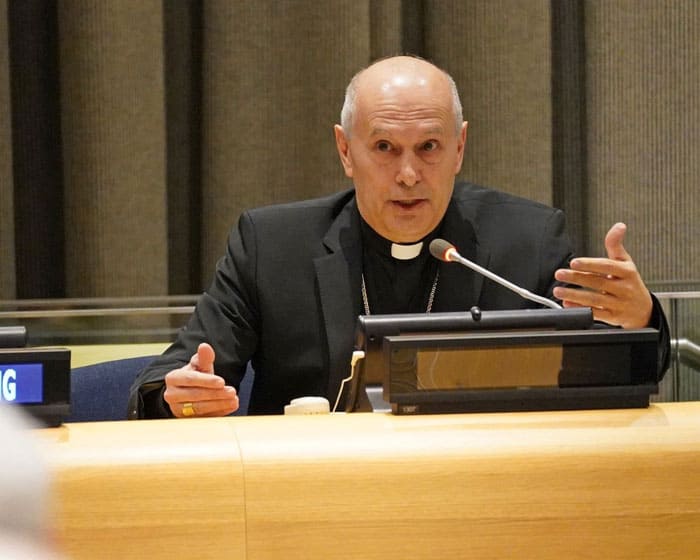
x=445, y=251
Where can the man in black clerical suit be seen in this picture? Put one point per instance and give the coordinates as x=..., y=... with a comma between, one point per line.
x=294, y=278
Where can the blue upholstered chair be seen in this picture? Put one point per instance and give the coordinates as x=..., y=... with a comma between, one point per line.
x=101, y=391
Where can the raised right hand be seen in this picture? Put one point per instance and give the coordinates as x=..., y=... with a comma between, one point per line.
x=197, y=385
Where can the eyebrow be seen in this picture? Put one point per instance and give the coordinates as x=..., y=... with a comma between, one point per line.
x=379, y=132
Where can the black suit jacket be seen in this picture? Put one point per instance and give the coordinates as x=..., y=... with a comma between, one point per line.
x=287, y=293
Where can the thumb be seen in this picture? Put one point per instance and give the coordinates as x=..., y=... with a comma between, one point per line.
x=203, y=360
x=613, y=243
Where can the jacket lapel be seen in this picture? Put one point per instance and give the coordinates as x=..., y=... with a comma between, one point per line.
x=339, y=279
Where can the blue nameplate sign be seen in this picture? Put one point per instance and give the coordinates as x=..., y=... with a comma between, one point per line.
x=38, y=380
x=22, y=383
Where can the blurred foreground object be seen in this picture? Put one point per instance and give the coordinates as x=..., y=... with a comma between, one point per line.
x=24, y=492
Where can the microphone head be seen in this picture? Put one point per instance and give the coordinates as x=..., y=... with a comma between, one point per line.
x=440, y=248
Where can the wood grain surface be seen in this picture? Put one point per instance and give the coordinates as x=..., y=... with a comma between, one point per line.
x=546, y=485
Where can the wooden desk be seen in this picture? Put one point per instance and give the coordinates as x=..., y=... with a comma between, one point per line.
x=147, y=490
x=580, y=484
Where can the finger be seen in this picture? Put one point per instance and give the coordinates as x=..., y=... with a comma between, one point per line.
x=568, y=304
x=217, y=407
x=576, y=297
x=607, y=268
x=175, y=394
x=186, y=377
x=203, y=360
x=599, y=314
x=202, y=402
x=599, y=282
x=605, y=315
x=613, y=243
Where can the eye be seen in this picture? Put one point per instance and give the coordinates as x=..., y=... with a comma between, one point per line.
x=383, y=146
x=430, y=146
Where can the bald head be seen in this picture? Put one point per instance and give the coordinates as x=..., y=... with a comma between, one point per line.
x=400, y=74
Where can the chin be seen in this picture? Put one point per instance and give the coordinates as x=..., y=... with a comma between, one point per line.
x=406, y=237
x=410, y=235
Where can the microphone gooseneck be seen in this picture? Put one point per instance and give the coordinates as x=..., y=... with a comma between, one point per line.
x=446, y=252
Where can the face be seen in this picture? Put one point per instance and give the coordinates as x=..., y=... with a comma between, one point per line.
x=403, y=152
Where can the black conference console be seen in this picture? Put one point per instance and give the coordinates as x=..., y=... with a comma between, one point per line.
x=541, y=359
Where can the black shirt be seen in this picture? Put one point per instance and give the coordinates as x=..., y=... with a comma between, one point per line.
x=394, y=285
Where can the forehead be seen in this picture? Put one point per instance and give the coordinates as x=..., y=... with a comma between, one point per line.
x=404, y=99
x=418, y=120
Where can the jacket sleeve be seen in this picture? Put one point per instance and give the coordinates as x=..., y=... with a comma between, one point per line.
x=658, y=321
x=225, y=316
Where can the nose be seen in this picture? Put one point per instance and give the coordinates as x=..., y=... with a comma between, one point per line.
x=408, y=173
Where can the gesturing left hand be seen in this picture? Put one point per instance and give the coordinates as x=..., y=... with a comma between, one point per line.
x=613, y=287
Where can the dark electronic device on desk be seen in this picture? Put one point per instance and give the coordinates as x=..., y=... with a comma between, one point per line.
x=35, y=379
x=13, y=337
x=479, y=361
x=506, y=361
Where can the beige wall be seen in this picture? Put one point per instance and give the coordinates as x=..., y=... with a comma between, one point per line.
x=174, y=117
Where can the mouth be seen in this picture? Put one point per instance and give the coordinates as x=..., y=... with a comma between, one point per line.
x=411, y=204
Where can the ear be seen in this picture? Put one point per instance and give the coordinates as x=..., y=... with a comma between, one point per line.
x=460, y=147
x=343, y=146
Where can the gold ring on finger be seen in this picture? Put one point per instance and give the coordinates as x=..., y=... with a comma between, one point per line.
x=188, y=409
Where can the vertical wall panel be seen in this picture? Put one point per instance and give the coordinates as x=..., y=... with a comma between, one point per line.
x=499, y=54
x=183, y=64
x=569, y=167
x=7, y=220
x=274, y=80
x=385, y=28
x=112, y=104
x=36, y=149
x=644, y=134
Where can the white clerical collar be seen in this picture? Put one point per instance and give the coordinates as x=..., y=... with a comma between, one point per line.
x=406, y=252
